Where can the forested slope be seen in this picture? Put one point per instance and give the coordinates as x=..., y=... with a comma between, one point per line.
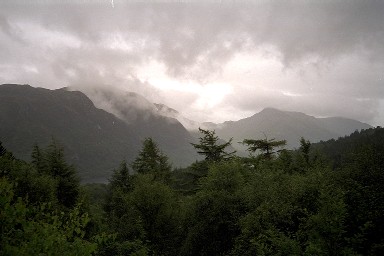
x=322, y=199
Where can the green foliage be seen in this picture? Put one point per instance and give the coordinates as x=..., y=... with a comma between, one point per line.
x=152, y=160
x=210, y=148
x=37, y=187
x=305, y=147
x=51, y=162
x=141, y=209
x=360, y=174
x=2, y=149
x=266, y=146
x=214, y=211
x=121, y=179
x=147, y=215
x=37, y=230
x=38, y=159
x=294, y=204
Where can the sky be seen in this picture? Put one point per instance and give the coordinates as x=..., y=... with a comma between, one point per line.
x=210, y=60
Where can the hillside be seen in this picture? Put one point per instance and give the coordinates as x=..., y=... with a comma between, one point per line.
x=145, y=120
x=345, y=149
x=290, y=126
x=94, y=140
x=166, y=111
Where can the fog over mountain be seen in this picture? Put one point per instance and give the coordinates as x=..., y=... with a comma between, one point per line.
x=284, y=125
x=209, y=60
x=95, y=141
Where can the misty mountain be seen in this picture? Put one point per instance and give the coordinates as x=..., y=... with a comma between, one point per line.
x=94, y=140
x=189, y=124
x=144, y=118
x=291, y=126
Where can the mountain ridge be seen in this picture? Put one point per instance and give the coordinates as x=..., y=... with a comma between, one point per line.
x=288, y=125
x=95, y=140
x=100, y=128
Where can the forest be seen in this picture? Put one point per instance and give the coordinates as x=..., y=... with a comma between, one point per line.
x=323, y=198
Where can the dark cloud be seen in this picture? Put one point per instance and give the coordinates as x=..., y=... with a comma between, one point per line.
x=329, y=51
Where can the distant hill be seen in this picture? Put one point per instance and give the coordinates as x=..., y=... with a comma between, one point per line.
x=94, y=140
x=287, y=125
x=189, y=124
x=144, y=118
x=344, y=150
x=106, y=126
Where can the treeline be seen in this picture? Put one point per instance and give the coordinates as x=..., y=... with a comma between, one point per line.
x=321, y=199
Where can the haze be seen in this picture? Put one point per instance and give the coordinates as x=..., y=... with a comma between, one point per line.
x=210, y=60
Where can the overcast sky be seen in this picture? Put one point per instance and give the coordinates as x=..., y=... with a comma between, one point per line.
x=211, y=60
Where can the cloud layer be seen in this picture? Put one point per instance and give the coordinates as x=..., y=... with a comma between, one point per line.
x=210, y=61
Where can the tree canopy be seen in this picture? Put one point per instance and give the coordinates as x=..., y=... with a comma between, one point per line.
x=210, y=147
x=322, y=199
x=152, y=161
x=266, y=146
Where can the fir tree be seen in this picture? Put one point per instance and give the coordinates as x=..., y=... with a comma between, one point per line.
x=305, y=146
x=121, y=178
x=2, y=150
x=67, y=181
x=38, y=160
x=266, y=146
x=210, y=148
x=152, y=161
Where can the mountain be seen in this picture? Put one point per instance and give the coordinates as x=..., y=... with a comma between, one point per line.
x=189, y=124
x=145, y=120
x=101, y=129
x=95, y=140
x=291, y=126
x=344, y=151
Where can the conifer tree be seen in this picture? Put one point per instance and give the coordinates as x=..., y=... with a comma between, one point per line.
x=38, y=160
x=121, y=179
x=210, y=148
x=2, y=150
x=67, y=181
x=266, y=146
x=305, y=146
x=152, y=161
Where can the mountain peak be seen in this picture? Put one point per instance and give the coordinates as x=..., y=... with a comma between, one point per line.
x=165, y=109
x=270, y=110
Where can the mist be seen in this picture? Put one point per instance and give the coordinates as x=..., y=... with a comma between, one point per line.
x=210, y=61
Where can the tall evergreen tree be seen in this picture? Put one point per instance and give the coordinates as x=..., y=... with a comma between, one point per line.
x=305, y=146
x=121, y=179
x=210, y=148
x=152, y=161
x=67, y=181
x=38, y=160
x=2, y=150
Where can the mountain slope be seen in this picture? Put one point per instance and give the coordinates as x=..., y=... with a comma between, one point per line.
x=166, y=111
x=94, y=140
x=287, y=125
x=145, y=120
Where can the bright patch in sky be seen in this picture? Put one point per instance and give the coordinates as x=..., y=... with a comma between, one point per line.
x=208, y=94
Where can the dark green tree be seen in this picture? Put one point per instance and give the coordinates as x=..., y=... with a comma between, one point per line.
x=38, y=230
x=5, y=153
x=2, y=150
x=121, y=179
x=210, y=148
x=120, y=184
x=38, y=160
x=214, y=212
x=65, y=175
x=305, y=146
x=152, y=161
x=266, y=146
